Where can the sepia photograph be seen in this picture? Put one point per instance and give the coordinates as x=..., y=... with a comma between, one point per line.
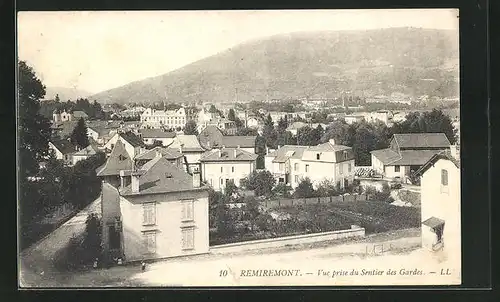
x=238, y=148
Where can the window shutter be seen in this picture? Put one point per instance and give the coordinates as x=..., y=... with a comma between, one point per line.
x=444, y=177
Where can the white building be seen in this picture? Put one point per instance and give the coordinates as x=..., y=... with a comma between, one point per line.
x=133, y=143
x=190, y=147
x=383, y=116
x=440, y=205
x=328, y=161
x=63, y=150
x=171, y=119
x=351, y=119
x=149, y=136
x=219, y=166
x=84, y=153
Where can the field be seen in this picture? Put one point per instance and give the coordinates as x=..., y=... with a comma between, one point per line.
x=375, y=217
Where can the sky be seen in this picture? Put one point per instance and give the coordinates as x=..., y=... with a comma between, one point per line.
x=95, y=51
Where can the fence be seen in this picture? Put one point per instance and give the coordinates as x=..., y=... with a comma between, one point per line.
x=354, y=231
x=313, y=200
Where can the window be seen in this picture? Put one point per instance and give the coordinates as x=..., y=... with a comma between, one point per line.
x=317, y=156
x=188, y=239
x=150, y=242
x=221, y=169
x=341, y=169
x=396, y=168
x=188, y=210
x=349, y=168
x=444, y=177
x=296, y=167
x=149, y=214
x=307, y=168
x=221, y=181
x=296, y=178
x=232, y=169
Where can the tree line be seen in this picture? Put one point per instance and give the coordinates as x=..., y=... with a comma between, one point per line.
x=92, y=109
x=44, y=188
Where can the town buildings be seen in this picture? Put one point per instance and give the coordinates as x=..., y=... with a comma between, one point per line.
x=171, y=155
x=149, y=136
x=84, y=153
x=170, y=119
x=58, y=116
x=440, y=204
x=226, y=126
x=102, y=131
x=407, y=153
x=219, y=166
x=351, y=119
x=119, y=159
x=190, y=147
x=212, y=137
x=328, y=161
x=63, y=150
x=133, y=143
x=295, y=126
x=158, y=211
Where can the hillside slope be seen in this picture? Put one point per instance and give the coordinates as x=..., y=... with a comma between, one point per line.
x=311, y=64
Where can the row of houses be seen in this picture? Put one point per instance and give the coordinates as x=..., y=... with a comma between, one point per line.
x=139, y=193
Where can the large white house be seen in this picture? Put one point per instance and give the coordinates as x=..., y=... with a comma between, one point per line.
x=171, y=119
x=407, y=153
x=133, y=143
x=440, y=204
x=328, y=161
x=219, y=166
x=189, y=146
x=158, y=211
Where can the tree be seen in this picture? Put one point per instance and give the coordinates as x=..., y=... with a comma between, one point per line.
x=231, y=115
x=79, y=136
x=92, y=239
x=434, y=121
x=326, y=188
x=57, y=100
x=34, y=130
x=305, y=189
x=269, y=133
x=282, y=189
x=190, y=128
x=261, y=183
x=307, y=136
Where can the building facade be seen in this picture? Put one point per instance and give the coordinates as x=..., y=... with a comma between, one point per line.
x=219, y=166
x=440, y=204
x=170, y=119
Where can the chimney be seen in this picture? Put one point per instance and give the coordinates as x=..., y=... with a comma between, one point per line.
x=235, y=152
x=332, y=141
x=220, y=153
x=180, y=148
x=135, y=175
x=196, y=179
x=158, y=152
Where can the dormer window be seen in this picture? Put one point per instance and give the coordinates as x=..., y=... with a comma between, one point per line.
x=168, y=175
x=121, y=157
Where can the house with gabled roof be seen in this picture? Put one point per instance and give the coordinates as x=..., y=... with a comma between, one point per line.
x=212, y=137
x=190, y=147
x=149, y=136
x=327, y=161
x=219, y=166
x=118, y=160
x=133, y=143
x=85, y=153
x=440, y=205
x=407, y=153
x=172, y=155
x=63, y=150
x=159, y=211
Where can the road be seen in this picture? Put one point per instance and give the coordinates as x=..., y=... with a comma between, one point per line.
x=36, y=261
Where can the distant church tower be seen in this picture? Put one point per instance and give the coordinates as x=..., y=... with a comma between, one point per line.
x=56, y=117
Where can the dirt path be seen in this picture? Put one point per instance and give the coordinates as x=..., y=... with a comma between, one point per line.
x=36, y=262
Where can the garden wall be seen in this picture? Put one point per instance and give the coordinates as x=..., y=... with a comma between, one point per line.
x=313, y=200
x=355, y=231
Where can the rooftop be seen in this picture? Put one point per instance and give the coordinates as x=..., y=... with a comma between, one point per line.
x=156, y=133
x=445, y=155
x=228, y=154
x=118, y=160
x=64, y=146
x=404, y=158
x=132, y=139
x=328, y=147
x=422, y=140
x=162, y=177
x=286, y=152
x=165, y=152
x=188, y=143
x=87, y=151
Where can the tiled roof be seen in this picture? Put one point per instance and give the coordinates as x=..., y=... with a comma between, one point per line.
x=284, y=153
x=433, y=222
x=404, y=158
x=156, y=133
x=422, y=140
x=210, y=137
x=228, y=154
x=79, y=114
x=65, y=128
x=188, y=143
x=118, y=160
x=87, y=151
x=132, y=139
x=441, y=155
x=64, y=146
x=166, y=152
x=328, y=147
x=162, y=177
x=242, y=141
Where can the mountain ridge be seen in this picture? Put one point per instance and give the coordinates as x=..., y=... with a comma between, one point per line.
x=310, y=64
